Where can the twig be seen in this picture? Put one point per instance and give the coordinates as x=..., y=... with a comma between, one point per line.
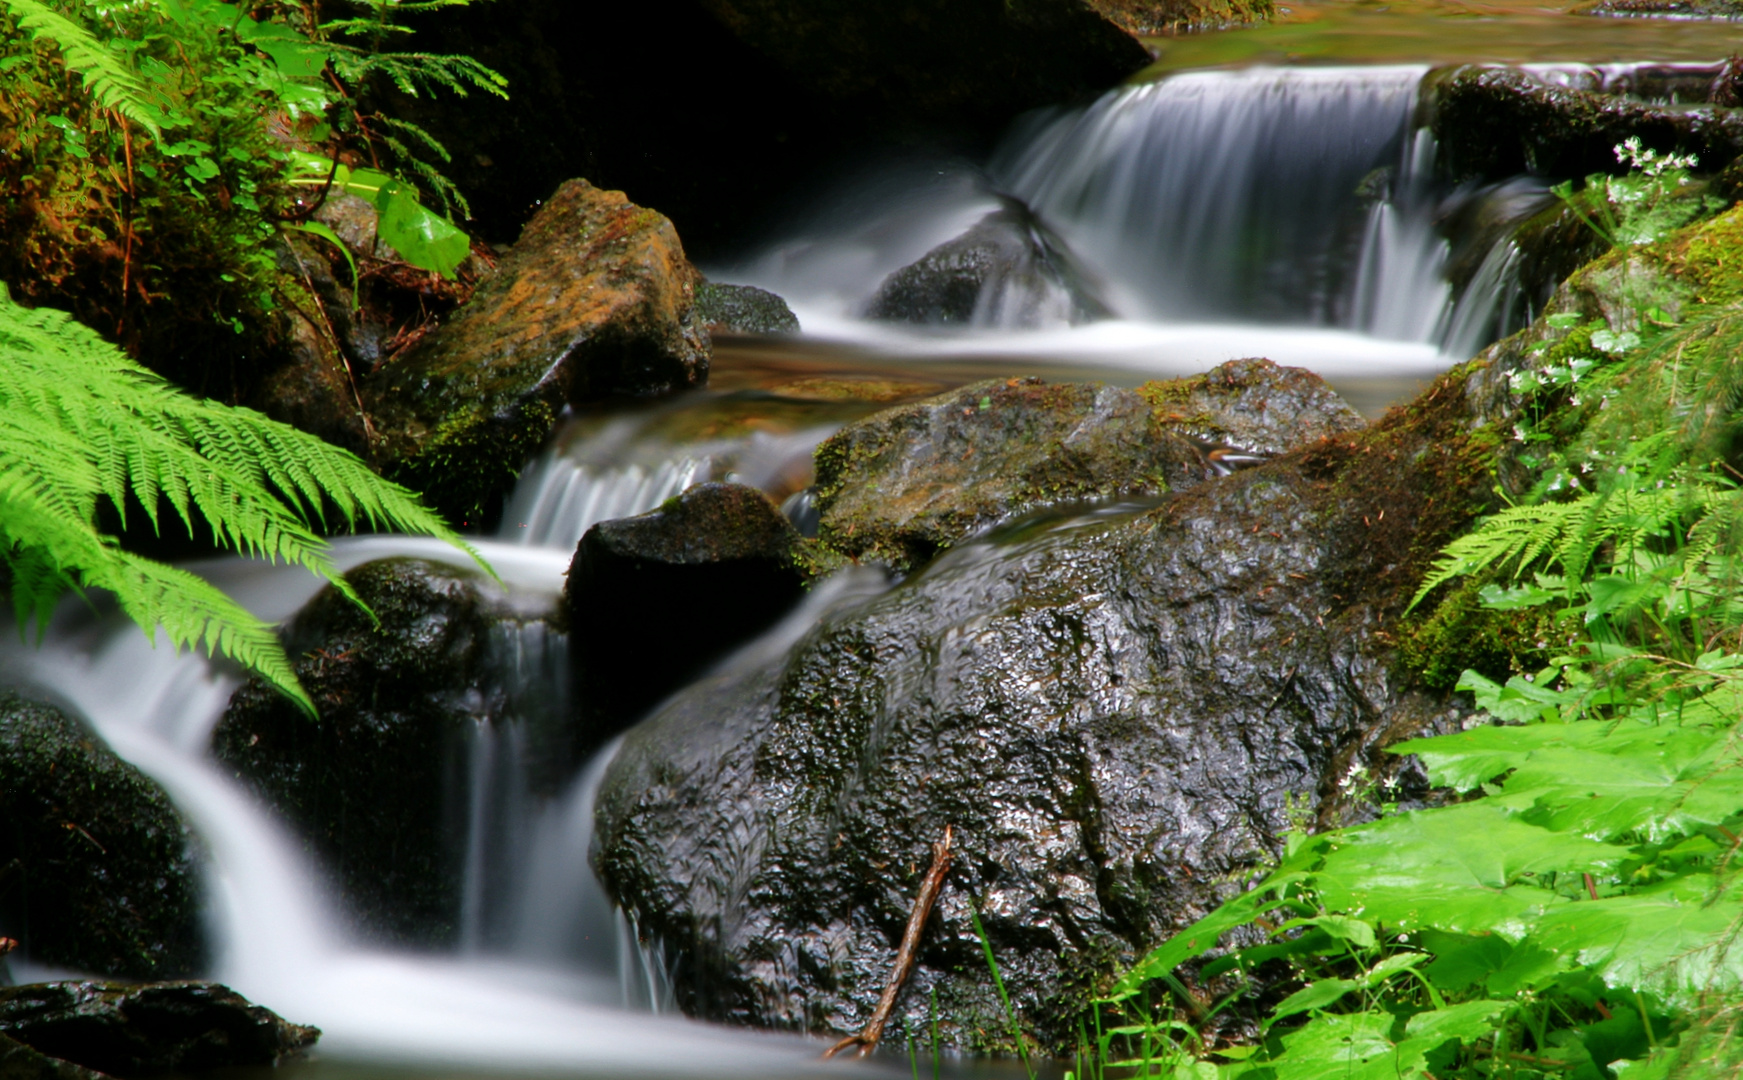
x=929, y=888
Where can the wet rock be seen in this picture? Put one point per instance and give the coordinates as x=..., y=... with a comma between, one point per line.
x=1494, y=122
x=1663, y=9
x=654, y=599
x=1118, y=714
x=95, y=872
x=1252, y=405
x=595, y=300
x=1008, y=270
x=743, y=309
x=908, y=482
x=376, y=786
x=131, y=1030
x=20, y=1062
x=1148, y=18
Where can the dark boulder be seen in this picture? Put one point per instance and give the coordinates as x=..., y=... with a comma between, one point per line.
x=595, y=300
x=95, y=872
x=1008, y=270
x=910, y=481
x=654, y=599
x=743, y=309
x=1118, y=714
x=156, y=1028
x=20, y=1062
x=376, y=785
x=1491, y=123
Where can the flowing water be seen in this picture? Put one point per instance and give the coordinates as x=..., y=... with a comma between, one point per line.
x=1290, y=213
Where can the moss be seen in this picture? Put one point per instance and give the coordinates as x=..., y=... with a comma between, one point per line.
x=470, y=461
x=1462, y=634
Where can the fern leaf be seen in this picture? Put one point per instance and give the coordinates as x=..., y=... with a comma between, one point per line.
x=80, y=423
x=106, y=75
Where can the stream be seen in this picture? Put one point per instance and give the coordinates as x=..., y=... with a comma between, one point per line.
x=1214, y=213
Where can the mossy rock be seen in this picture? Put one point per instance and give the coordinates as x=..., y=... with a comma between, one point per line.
x=1492, y=123
x=95, y=869
x=375, y=786
x=596, y=300
x=1148, y=18
x=20, y=1062
x=1115, y=713
x=908, y=482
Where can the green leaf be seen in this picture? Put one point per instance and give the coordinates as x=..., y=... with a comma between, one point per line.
x=1675, y=947
x=1468, y=1021
x=1316, y=995
x=1466, y=868
x=423, y=237
x=1521, y=596
x=1349, y=1047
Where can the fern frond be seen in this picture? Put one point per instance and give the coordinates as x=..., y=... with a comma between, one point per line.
x=106, y=75
x=81, y=423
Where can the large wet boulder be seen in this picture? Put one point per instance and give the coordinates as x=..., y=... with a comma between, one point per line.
x=1118, y=714
x=129, y=1030
x=1491, y=123
x=908, y=482
x=654, y=599
x=1007, y=270
x=595, y=300
x=376, y=786
x=95, y=869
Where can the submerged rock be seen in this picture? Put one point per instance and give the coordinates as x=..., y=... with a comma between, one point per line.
x=156, y=1028
x=95, y=871
x=595, y=300
x=376, y=785
x=1008, y=270
x=1118, y=715
x=1491, y=123
x=908, y=482
x=654, y=599
x=1148, y=18
x=743, y=309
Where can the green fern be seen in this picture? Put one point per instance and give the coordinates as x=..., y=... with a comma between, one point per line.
x=106, y=75
x=81, y=424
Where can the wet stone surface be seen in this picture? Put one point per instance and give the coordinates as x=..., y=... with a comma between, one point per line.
x=127, y=1030
x=376, y=786
x=1114, y=712
x=95, y=868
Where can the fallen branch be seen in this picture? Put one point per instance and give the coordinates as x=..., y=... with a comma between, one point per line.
x=929, y=888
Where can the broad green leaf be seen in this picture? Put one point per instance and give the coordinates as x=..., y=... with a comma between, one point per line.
x=1341, y=927
x=1468, y=1020
x=1463, y=960
x=1315, y=995
x=1465, y=868
x=422, y=237
x=1522, y=596
x=1652, y=941
x=1349, y=1047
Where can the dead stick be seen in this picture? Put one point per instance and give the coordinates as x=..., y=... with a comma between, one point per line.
x=929, y=888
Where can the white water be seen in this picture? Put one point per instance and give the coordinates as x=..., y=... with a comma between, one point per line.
x=1281, y=212
x=553, y=1001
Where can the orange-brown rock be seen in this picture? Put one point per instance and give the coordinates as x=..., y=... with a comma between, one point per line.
x=595, y=300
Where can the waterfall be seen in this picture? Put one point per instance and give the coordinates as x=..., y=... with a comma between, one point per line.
x=550, y=998
x=1288, y=212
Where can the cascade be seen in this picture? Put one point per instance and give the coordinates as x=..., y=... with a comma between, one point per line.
x=1288, y=212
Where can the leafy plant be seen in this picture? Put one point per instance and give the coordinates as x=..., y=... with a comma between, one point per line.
x=1643, y=206
x=81, y=425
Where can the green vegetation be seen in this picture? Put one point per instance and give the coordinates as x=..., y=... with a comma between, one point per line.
x=1571, y=906
x=83, y=427
x=152, y=151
